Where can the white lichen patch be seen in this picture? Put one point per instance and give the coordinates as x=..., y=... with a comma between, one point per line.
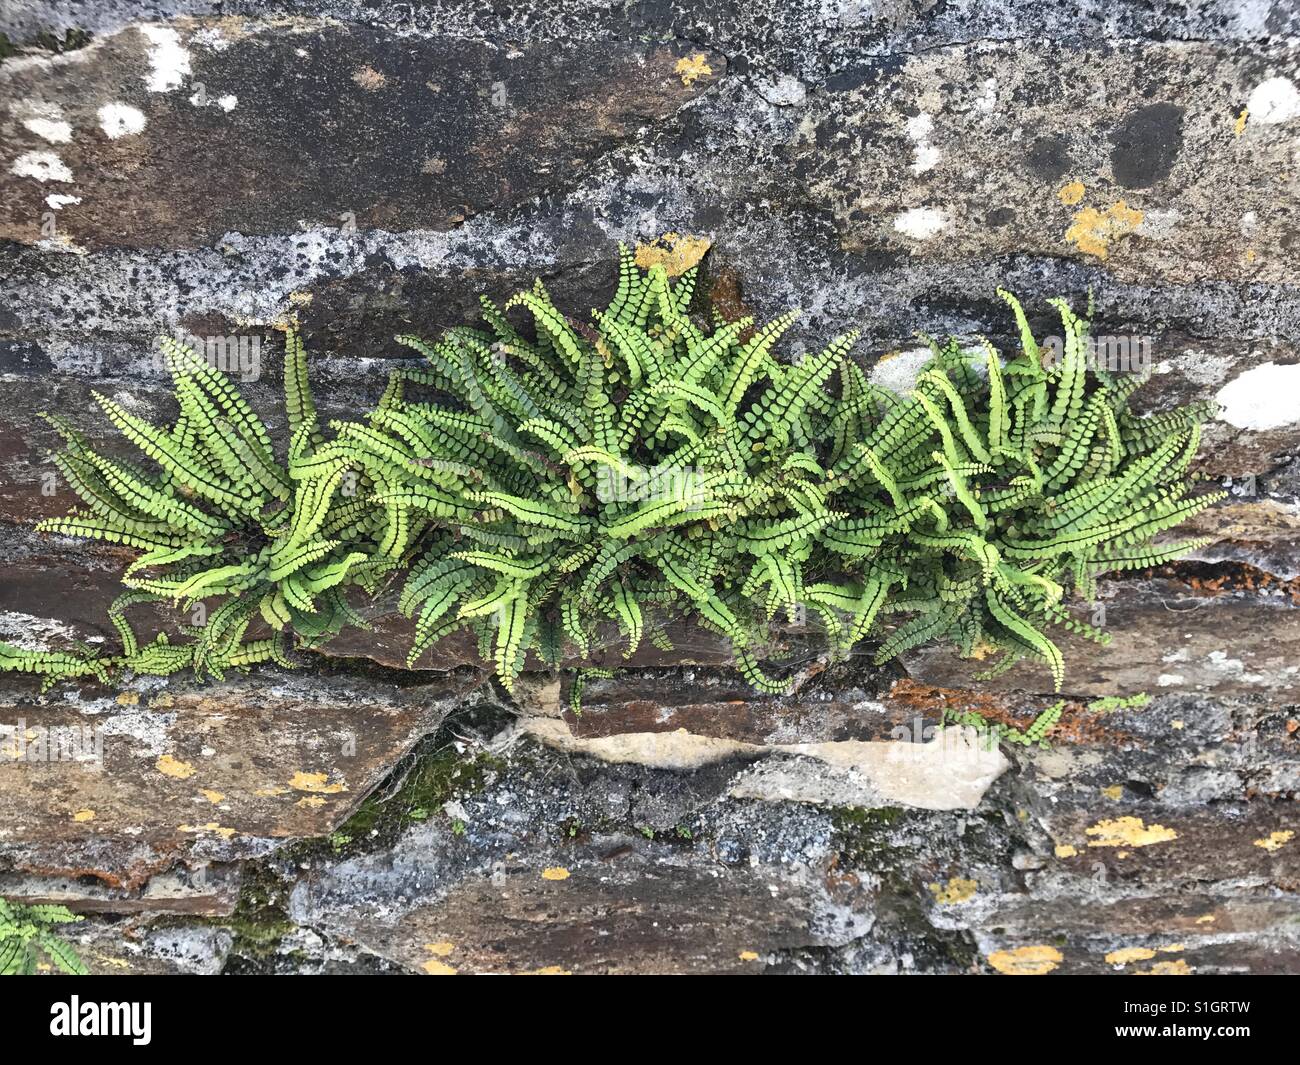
x=925, y=154
x=57, y=201
x=1273, y=101
x=921, y=223
x=1264, y=397
x=120, y=120
x=43, y=166
x=54, y=130
x=169, y=61
x=899, y=372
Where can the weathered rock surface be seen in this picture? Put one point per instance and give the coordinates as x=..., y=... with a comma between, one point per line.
x=369, y=169
x=121, y=787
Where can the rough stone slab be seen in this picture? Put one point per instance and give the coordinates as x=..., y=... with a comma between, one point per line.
x=193, y=774
x=1165, y=637
x=250, y=127
x=612, y=916
x=1151, y=157
x=951, y=771
x=207, y=890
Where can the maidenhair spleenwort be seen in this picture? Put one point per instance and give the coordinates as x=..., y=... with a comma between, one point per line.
x=535, y=478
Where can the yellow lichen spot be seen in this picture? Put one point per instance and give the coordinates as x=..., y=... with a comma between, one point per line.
x=1026, y=961
x=691, y=68
x=982, y=649
x=1130, y=954
x=212, y=796
x=311, y=801
x=1178, y=724
x=1167, y=968
x=954, y=891
x=271, y=793
x=548, y=970
x=315, y=782
x=1128, y=832
x=1121, y=854
x=1093, y=230
x=675, y=252
x=748, y=955
x=1251, y=255
x=172, y=767
x=1173, y=948
x=116, y=963
x=1115, y=792
x=128, y=699
x=440, y=950
x=1065, y=850
x=1239, y=127
x=369, y=78
x=555, y=872
x=211, y=826
x=84, y=815
x=300, y=299
x=1275, y=840
x=162, y=702
x=434, y=967
x=1072, y=193
x=1206, y=918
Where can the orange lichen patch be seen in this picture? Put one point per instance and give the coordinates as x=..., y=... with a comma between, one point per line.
x=555, y=872
x=1128, y=955
x=84, y=815
x=675, y=252
x=748, y=955
x=1092, y=230
x=128, y=699
x=693, y=67
x=1071, y=194
x=1128, y=832
x=315, y=782
x=954, y=891
x=211, y=826
x=171, y=767
x=1275, y=840
x=369, y=78
x=1065, y=850
x=1167, y=968
x=1239, y=127
x=1115, y=792
x=1026, y=961
x=213, y=797
x=548, y=970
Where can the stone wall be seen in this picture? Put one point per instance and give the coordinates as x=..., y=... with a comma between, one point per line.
x=368, y=169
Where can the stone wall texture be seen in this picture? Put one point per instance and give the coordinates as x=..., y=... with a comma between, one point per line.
x=369, y=168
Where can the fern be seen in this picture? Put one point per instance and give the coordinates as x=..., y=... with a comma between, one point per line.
x=538, y=480
x=25, y=935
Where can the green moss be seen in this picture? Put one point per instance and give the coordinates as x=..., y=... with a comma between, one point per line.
x=417, y=789
x=861, y=834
